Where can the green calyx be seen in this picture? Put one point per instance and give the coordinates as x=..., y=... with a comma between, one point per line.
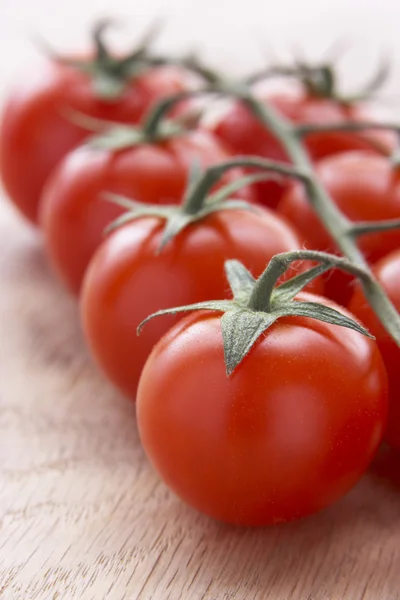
x=109, y=74
x=258, y=304
x=198, y=201
x=197, y=204
x=319, y=80
x=336, y=223
x=156, y=126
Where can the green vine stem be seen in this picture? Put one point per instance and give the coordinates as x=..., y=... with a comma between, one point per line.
x=154, y=120
x=279, y=264
x=365, y=227
x=334, y=220
x=372, y=289
x=319, y=80
x=337, y=224
x=213, y=174
x=341, y=229
x=199, y=200
x=350, y=126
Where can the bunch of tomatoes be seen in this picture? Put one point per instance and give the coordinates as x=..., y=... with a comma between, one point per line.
x=136, y=217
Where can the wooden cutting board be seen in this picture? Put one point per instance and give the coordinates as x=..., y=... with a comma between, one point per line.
x=82, y=514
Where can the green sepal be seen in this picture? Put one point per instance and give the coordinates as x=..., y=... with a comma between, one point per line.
x=107, y=86
x=241, y=329
x=196, y=173
x=121, y=137
x=241, y=281
x=233, y=187
x=321, y=80
x=212, y=305
x=136, y=210
x=155, y=127
x=176, y=223
x=320, y=312
x=110, y=75
x=287, y=290
x=118, y=137
x=372, y=86
x=242, y=326
x=177, y=218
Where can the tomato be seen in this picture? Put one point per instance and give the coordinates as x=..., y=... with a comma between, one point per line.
x=244, y=134
x=365, y=187
x=35, y=131
x=288, y=433
x=74, y=214
x=387, y=272
x=127, y=280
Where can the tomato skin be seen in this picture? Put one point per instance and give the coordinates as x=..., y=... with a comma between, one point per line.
x=287, y=434
x=387, y=272
x=366, y=188
x=127, y=280
x=35, y=132
x=74, y=214
x=245, y=135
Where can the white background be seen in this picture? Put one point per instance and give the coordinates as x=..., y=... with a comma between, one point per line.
x=235, y=33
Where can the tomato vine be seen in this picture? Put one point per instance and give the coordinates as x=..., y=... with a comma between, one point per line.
x=343, y=231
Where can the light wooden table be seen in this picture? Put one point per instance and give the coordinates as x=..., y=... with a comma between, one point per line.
x=82, y=515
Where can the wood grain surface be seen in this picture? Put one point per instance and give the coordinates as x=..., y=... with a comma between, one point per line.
x=83, y=516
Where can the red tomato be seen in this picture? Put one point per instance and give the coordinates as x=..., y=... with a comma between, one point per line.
x=245, y=135
x=387, y=272
x=74, y=214
x=288, y=433
x=127, y=280
x=35, y=132
x=366, y=188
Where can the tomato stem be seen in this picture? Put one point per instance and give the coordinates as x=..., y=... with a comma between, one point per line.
x=318, y=80
x=365, y=227
x=156, y=117
x=336, y=223
x=340, y=228
x=257, y=304
x=199, y=192
x=109, y=74
x=98, y=31
x=307, y=129
x=260, y=299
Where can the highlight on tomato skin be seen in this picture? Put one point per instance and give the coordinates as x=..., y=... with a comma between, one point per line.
x=241, y=131
x=387, y=271
x=74, y=212
x=287, y=434
x=36, y=132
x=128, y=279
x=366, y=187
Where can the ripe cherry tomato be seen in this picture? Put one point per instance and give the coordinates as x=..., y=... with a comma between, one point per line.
x=288, y=433
x=127, y=280
x=244, y=134
x=74, y=214
x=387, y=272
x=36, y=132
x=366, y=188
